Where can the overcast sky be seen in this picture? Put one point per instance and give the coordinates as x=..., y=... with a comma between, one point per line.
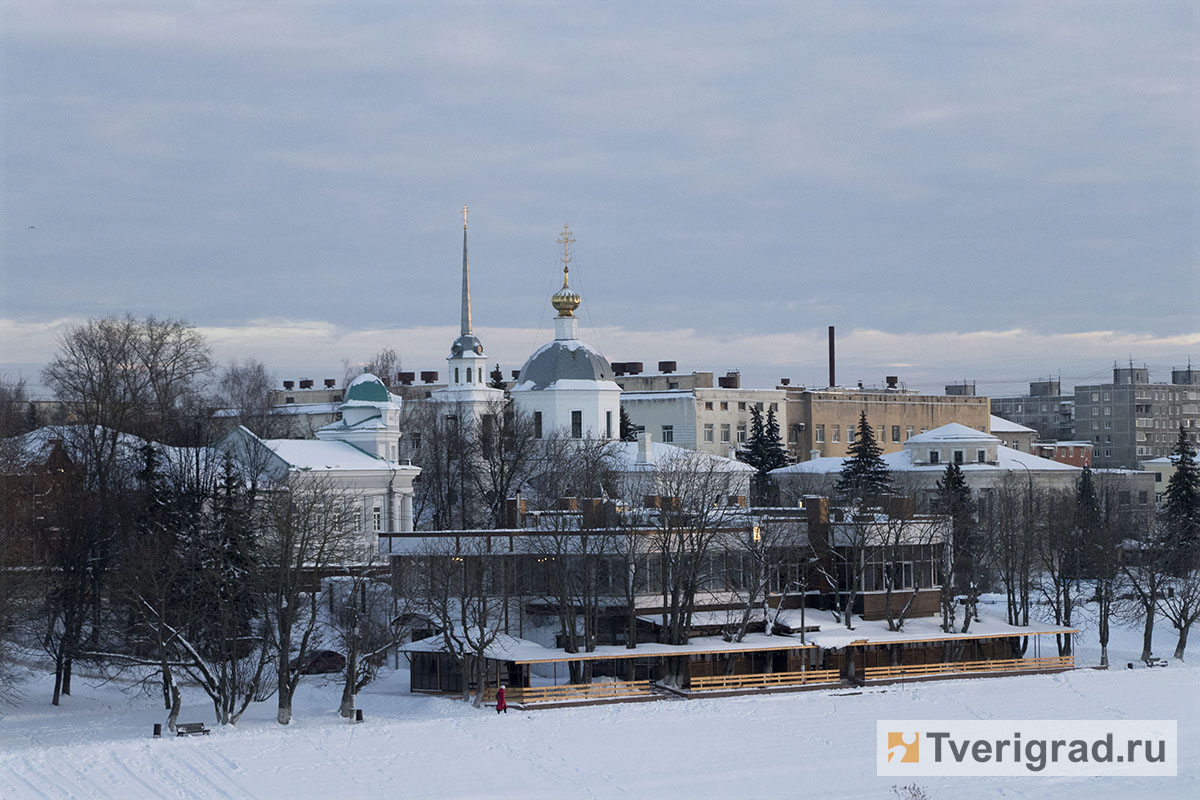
x=992, y=192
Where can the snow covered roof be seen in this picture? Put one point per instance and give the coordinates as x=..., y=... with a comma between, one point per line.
x=35, y=446
x=523, y=651
x=316, y=454
x=663, y=455
x=1002, y=425
x=1007, y=459
x=565, y=364
x=950, y=433
x=663, y=394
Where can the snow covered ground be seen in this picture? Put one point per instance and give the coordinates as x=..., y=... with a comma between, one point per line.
x=810, y=744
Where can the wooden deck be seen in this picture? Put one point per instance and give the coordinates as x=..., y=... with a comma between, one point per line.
x=571, y=692
x=968, y=667
x=763, y=680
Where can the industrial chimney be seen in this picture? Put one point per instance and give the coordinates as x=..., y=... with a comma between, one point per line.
x=832, y=372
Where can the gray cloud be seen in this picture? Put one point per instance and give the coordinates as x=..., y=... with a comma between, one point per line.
x=739, y=171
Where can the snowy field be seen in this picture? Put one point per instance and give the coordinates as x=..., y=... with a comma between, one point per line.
x=809, y=744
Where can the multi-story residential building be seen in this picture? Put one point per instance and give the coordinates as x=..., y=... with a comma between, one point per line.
x=1045, y=409
x=823, y=422
x=714, y=421
x=1132, y=420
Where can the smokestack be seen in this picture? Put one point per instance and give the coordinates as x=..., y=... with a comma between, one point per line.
x=832, y=371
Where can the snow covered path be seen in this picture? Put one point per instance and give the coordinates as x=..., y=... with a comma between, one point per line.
x=818, y=744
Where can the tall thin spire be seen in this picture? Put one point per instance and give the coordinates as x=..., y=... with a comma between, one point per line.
x=466, y=284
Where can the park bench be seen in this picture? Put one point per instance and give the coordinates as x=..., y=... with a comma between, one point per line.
x=191, y=729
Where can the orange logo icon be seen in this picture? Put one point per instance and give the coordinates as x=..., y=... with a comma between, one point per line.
x=903, y=747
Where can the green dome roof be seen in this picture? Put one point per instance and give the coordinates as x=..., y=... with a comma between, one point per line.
x=367, y=388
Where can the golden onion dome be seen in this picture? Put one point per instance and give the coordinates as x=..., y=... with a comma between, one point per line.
x=566, y=299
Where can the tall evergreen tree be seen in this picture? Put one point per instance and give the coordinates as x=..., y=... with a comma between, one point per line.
x=764, y=451
x=627, y=431
x=1181, y=500
x=953, y=498
x=864, y=478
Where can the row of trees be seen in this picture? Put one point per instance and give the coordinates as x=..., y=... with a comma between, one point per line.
x=166, y=559
x=1060, y=549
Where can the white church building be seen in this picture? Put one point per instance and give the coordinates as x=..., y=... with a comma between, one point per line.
x=566, y=385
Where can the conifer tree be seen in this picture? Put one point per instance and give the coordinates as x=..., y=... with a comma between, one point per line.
x=764, y=451
x=953, y=498
x=1182, y=496
x=497, y=378
x=864, y=477
x=627, y=432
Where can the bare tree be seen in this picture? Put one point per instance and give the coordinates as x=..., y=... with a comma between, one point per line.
x=768, y=548
x=690, y=493
x=508, y=453
x=383, y=365
x=1145, y=566
x=308, y=530
x=16, y=412
x=245, y=391
x=1008, y=528
x=442, y=439
x=1181, y=604
x=458, y=592
x=366, y=623
x=1060, y=555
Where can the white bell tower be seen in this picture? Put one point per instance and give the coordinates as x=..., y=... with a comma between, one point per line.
x=466, y=366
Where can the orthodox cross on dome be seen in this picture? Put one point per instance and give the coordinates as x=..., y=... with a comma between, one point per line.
x=566, y=240
x=566, y=300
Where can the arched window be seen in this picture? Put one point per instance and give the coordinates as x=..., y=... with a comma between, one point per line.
x=469, y=375
x=456, y=374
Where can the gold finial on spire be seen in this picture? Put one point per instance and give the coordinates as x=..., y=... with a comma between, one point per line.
x=464, y=218
x=566, y=300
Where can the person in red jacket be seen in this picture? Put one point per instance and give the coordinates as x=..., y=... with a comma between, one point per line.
x=501, y=704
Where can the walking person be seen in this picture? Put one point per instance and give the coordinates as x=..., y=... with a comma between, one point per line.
x=501, y=704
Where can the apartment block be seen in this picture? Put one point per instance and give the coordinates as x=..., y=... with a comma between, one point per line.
x=1132, y=420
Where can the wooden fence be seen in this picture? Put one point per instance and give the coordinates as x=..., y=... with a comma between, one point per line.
x=995, y=665
x=762, y=680
x=570, y=692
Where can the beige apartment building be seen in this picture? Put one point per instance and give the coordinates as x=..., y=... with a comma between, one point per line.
x=826, y=420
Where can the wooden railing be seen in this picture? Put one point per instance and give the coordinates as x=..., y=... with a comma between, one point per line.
x=761, y=680
x=568, y=692
x=941, y=668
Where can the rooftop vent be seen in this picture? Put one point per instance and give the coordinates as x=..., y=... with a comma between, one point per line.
x=289, y=385
x=667, y=367
x=306, y=383
x=429, y=376
x=406, y=378
x=330, y=383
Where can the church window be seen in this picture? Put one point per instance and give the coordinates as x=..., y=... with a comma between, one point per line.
x=576, y=424
x=469, y=379
x=608, y=426
x=537, y=424
x=456, y=374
